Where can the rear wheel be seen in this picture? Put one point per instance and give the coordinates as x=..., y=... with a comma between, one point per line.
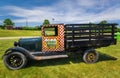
x=90, y=56
x=15, y=60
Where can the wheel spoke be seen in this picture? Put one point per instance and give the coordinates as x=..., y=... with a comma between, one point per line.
x=15, y=60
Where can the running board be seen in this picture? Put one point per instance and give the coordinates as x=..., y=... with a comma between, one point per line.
x=49, y=57
x=47, y=53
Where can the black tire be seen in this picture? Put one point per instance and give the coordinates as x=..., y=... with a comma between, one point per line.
x=15, y=60
x=90, y=56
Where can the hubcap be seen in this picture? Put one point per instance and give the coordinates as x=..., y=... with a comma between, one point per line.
x=91, y=57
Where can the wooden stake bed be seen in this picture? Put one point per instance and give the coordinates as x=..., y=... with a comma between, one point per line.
x=89, y=35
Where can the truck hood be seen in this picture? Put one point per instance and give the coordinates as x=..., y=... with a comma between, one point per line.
x=31, y=44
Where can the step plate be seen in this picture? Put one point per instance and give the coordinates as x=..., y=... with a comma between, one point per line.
x=47, y=53
x=50, y=57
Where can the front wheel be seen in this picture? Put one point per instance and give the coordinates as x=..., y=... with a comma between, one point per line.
x=15, y=60
x=90, y=56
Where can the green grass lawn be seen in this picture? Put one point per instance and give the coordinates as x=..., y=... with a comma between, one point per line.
x=14, y=33
x=108, y=65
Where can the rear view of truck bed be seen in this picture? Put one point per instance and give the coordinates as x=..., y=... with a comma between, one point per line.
x=89, y=35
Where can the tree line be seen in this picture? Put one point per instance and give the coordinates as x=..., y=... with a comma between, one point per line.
x=9, y=22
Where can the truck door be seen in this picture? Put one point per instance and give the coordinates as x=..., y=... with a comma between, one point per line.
x=53, y=38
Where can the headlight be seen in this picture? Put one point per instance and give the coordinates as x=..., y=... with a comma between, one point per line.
x=16, y=44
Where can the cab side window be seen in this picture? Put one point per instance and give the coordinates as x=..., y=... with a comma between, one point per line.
x=50, y=31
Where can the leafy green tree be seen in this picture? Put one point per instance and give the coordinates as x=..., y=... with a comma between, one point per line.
x=103, y=22
x=8, y=22
x=118, y=29
x=46, y=22
x=91, y=23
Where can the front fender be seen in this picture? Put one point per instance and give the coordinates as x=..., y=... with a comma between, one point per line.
x=18, y=49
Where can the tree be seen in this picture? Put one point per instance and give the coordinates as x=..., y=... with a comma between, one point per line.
x=91, y=23
x=46, y=22
x=103, y=22
x=8, y=22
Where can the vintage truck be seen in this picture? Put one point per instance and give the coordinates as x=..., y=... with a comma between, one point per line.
x=59, y=39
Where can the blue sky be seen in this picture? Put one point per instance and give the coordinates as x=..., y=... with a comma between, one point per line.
x=63, y=11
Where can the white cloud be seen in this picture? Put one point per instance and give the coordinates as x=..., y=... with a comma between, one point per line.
x=78, y=11
x=87, y=3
